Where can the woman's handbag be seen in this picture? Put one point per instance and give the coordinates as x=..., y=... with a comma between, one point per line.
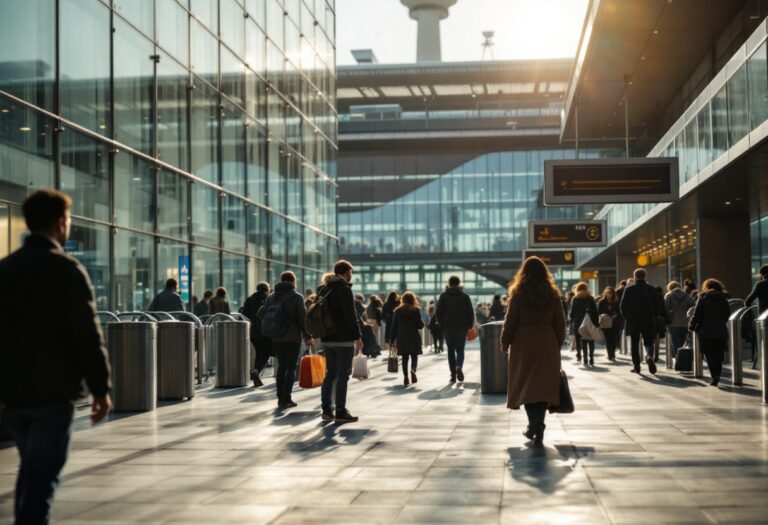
x=565, y=406
x=605, y=322
x=392, y=361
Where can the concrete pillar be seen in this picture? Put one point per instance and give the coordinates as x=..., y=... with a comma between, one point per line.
x=625, y=265
x=428, y=14
x=723, y=252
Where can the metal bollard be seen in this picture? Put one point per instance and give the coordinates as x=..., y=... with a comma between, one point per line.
x=762, y=348
x=734, y=345
x=493, y=362
x=698, y=358
x=668, y=351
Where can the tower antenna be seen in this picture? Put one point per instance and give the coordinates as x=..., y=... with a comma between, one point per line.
x=488, y=44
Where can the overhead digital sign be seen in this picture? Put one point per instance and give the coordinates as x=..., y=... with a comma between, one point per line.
x=553, y=257
x=566, y=234
x=606, y=181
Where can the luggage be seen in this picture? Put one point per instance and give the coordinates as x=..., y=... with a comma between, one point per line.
x=684, y=360
x=311, y=371
x=360, y=367
x=392, y=361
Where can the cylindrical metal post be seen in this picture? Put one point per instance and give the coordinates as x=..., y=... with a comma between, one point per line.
x=493, y=362
x=762, y=348
x=133, y=357
x=698, y=358
x=668, y=351
x=734, y=345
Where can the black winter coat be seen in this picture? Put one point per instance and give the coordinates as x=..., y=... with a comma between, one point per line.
x=454, y=311
x=167, y=301
x=640, y=304
x=47, y=366
x=582, y=305
x=341, y=302
x=710, y=317
x=250, y=309
x=406, y=324
x=759, y=292
x=293, y=308
x=497, y=311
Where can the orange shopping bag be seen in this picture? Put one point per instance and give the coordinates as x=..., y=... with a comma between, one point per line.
x=472, y=334
x=311, y=371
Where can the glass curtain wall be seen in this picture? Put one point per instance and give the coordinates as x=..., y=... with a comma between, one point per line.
x=163, y=138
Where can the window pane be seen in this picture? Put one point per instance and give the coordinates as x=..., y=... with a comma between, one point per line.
x=233, y=26
x=257, y=11
x=294, y=242
x=275, y=15
x=26, y=150
x=134, y=202
x=234, y=280
x=719, y=123
x=84, y=64
x=205, y=215
x=233, y=149
x=173, y=29
x=737, y=106
x=691, y=157
x=137, y=12
x=89, y=243
x=758, y=87
x=172, y=212
x=205, y=54
x=278, y=237
x=134, y=76
x=172, y=134
x=232, y=77
x=134, y=263
x=207, y=11
x=85, y=175
x=705, y=138
x=205, y=270
x=28, y=71
x=257, y=231
x=256, y=45
x=233, y=231
x=275, y=179
x=256, y=163
x=168, y=253
x=205, y=133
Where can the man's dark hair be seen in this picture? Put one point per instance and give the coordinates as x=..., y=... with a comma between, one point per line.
x=639, y=274
x=288, y=277
x=44, y=208
x=341, y=267
x=262, y=287
x=221, y=291
x=454, y=280
x=208, y=294
x=764, y=270
x=171, y=283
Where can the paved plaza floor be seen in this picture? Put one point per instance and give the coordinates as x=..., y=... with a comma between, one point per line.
x=645, y=449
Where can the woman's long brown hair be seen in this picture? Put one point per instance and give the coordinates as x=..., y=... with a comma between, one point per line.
x=534, y=283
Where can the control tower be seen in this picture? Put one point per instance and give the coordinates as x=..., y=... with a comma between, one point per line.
x=428, y=14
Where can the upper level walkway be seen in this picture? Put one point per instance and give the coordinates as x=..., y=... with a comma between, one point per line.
x=638, y=449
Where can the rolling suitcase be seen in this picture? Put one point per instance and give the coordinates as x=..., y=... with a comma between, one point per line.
x=684, y=359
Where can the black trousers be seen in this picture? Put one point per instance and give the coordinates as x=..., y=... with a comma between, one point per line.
x=414, y=363
x=287, y=353
x=537, y=412
x=648, y=339
x=263, y=353
x=582, y=345
x=713, y=350
x=611, y=339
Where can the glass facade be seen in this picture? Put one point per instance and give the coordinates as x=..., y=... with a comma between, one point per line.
x=174, y=137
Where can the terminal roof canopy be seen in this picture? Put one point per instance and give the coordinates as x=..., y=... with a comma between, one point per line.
x=643, y=50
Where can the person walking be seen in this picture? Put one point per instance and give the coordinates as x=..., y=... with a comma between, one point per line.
x=262, y=345
x=533, y=332
x=388, y=311
x=169, y=299
x=677, y=303
x=455, y=314
x=406, y=332
x=710, y=322
x=285, y=313
x=607, y=316
x=373, y=312
x=435, y=329
x=640, y=311
x=204, y=307
x=566, y=315
x=219, y=304
x=760, y=291
x=481, y=313
x=583, y=304
x=42, y=370
x=497, y=309
x=340, y=345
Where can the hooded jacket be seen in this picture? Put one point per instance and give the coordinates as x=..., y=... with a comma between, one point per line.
x=677, y=303
x=454, y=310
x=341, y=302
x=250, y=309
x=710, y=318
x=293, y=308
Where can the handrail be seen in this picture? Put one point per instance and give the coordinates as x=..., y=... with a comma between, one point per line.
x=158, y=314
x=138, y=315
x=215, y=318
x=237, y=316
x=109, y=315
x=188, y=315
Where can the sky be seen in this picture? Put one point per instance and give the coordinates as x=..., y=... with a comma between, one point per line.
x=524, y=29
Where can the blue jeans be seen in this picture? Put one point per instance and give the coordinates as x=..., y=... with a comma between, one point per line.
x=338, y=367
x=455, y=342
x=678, y=335
x=42, y=436
x=287, y=353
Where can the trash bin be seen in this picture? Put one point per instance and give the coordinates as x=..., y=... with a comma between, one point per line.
x=231, y=345
x=493, y=362
x=201, y=338
x=175, y=359
x=132, y=346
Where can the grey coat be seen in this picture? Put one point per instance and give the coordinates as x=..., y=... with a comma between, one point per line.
x=677, y=303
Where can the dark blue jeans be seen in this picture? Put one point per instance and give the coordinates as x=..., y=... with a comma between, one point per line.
x=455, y=341
x=678, y=335
x=42, y=436
x=338, y=367
x=287, y=353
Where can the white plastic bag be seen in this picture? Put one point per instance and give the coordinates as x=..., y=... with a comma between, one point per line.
x=589, y=331
x=360, y=366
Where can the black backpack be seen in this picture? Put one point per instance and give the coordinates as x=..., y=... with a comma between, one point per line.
x=319, y=321
x=273, y=320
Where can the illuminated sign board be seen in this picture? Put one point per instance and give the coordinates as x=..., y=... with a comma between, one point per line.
x=566, y=234
x=607, y=181
x=553, y=257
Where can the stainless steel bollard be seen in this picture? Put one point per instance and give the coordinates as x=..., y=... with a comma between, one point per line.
x=133, y=357
x=201, y=332
x=175, y=360
x=669, y=361
x=698, y=357
x=493, y=362
x=762, y=348
x=734, y=345
x=231, y=344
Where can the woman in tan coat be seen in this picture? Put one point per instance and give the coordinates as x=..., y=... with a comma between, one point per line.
x=534, y=330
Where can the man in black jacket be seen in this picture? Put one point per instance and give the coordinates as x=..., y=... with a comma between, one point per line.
x=455, y=315
x=760, y=291
x=42, y=369
x=640, y=306
x=168, y=300
x=340, y=345
x=286, y=346
x=261, y=345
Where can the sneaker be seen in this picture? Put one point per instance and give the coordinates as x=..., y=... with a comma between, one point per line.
x=459, y=375
x=651, y=365
x=327, y=414
x=345, y=417
x=289, y=402
x=414, y=379
x=282, y=402
x=256, y=378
